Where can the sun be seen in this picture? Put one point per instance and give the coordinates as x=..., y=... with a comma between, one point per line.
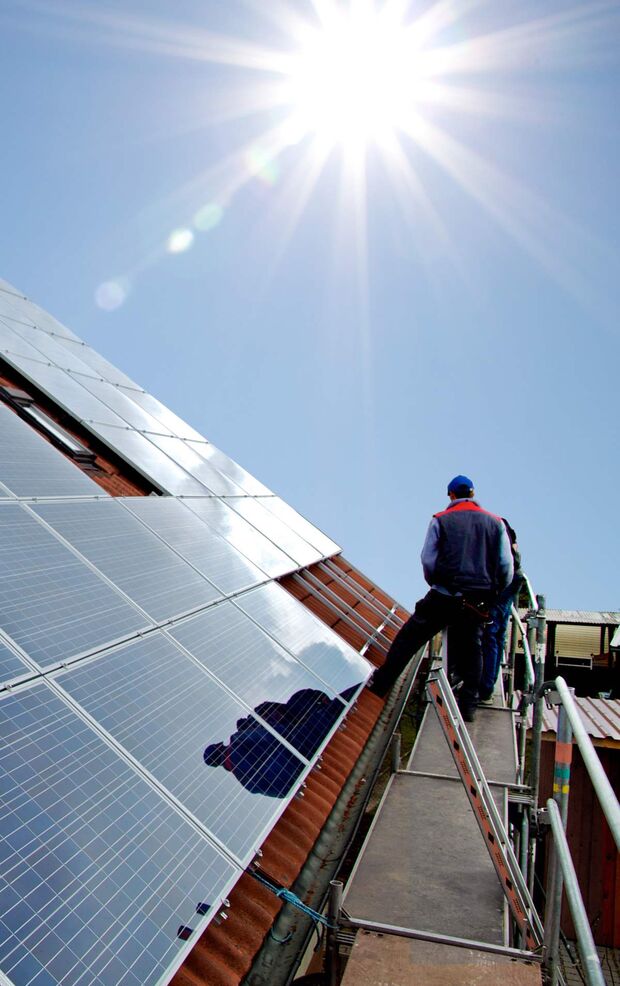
x=354, y=79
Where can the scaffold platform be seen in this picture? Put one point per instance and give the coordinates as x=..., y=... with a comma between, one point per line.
x=424, y=866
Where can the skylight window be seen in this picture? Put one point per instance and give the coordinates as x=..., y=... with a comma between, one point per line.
x=26, y=407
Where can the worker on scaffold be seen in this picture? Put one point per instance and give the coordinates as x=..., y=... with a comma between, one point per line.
x=467, y=561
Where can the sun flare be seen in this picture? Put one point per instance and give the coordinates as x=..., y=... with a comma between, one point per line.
x=354, y=79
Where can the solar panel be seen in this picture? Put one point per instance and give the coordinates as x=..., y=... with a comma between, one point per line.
x=14, y=306
x=126, y=408
x=273, y=528
x=194, y=540
x=229, y=468
x=242, y=535
x=51, y=604
x=12, y=342
x=300, y=525
x=167, y=712
x=11, y=666
x=48, y=347
x=98, y=364
x=30, y=466
x=172, y=421
x=264, y=676
x=99, y=873
x=196, y=466
x=306, y=637
x=65, y=390
x=130, y=555
x=148, y=460
x=5, y=286
x=33, y=314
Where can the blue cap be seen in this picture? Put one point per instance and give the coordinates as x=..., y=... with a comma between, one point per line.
x=458, y=482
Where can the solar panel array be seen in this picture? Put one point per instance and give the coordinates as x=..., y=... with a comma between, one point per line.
x=161, y=698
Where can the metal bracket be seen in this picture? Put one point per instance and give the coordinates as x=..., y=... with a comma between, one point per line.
x=552, y=697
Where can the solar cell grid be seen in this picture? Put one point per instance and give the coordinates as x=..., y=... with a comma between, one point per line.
x=242, y=536
x=11, y=666
x=130, y=555
x=51, y=603
x=97, y=871
x=30, y=466
x=194, y=540
x=166, y=711
x=304, y=635
x=273, y=528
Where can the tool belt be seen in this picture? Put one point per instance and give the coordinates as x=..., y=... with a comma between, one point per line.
x=479, y=606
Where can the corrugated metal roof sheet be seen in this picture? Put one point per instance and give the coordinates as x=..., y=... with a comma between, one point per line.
x=589, y=617
x=600, y=716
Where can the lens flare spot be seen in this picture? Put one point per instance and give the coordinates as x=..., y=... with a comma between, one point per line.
x=110, y=295
x=262, y=165
x=208, y=217
x=179, y=241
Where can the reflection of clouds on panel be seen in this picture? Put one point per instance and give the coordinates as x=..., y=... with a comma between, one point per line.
x=321, y=650
x=249, y=662
x=210, y=554
x=250, y=542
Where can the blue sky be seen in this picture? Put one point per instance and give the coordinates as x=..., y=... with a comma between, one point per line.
x=352, y=335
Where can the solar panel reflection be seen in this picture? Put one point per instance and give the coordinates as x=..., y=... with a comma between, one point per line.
x=196, y=466
x=229, y=570
x=51, y=603
x=328, y=656
x=242, y=535
x=65, y=390
x=262, y=674
x=147, y=459
x=300, y=525
x=274, y=529
x=98, y=873
x=130, y=555
x=49, y=347
x=167, y=712
x=227, y=466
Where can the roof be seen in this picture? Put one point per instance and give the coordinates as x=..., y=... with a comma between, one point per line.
x=584, y=617
x=600, y=716
x=139, y=448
